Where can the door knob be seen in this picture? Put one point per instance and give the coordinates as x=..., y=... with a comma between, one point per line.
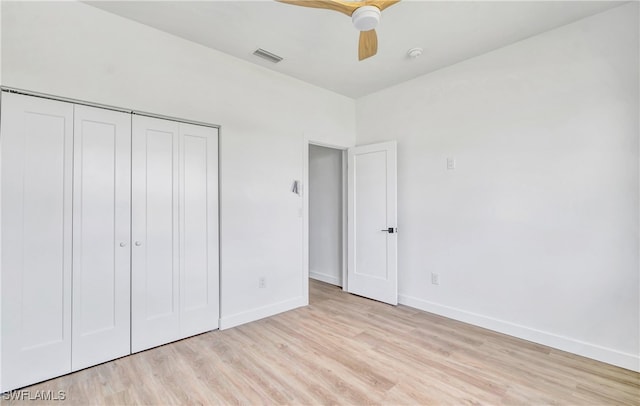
x=138, y=243
x=123, y=244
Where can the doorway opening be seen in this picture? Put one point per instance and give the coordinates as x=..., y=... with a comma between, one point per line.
x=351, y=193
x=327, y=214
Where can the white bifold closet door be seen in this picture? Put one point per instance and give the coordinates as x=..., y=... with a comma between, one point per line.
x=36, y=140
x=174, y=231
x=101, y=234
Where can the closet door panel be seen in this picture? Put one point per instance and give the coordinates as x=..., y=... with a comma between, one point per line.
x=101, y=233
x=199, y=229
x=36, y=141
x=159, y=232
x=155, y=259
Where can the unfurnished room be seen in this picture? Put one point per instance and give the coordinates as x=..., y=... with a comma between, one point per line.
x=313, y=202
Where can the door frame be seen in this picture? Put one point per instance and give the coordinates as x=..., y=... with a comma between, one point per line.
x=308, y=141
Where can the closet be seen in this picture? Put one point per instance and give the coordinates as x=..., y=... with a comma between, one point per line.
x=109, y=235
x=175, y=231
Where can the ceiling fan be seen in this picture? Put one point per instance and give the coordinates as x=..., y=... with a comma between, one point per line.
x=364, y=14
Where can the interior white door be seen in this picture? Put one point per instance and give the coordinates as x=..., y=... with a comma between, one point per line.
x=101, y=234
x=36, y=138
x=155, y=261
x=198, y=229
x=372, y=221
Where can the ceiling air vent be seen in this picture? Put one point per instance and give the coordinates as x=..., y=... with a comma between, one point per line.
x=267, y=55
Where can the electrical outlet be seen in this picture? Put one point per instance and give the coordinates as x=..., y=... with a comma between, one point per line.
x=435, y=278
x=262, y=282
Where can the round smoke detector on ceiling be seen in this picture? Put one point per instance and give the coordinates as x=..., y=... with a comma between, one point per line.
x=366, y=18
x=414, y=52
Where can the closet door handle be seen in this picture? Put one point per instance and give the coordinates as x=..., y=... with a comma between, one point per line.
x=390, y=230
x=123, y=244
x=138, y=243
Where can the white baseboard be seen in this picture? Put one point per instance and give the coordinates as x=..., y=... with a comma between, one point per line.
x=599, y=353
x=260, y=313
x=323, y=277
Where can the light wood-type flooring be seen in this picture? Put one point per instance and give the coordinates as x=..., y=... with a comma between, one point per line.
x=347, y=350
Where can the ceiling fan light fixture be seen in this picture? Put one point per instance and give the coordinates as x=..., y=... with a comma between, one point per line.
x=366, y=18
x=365, y=15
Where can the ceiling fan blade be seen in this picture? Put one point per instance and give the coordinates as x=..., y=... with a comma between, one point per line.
x=382, y=4
x=345, y=7
x=368, y=45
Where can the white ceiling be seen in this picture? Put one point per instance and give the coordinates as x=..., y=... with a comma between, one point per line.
x=320, y=46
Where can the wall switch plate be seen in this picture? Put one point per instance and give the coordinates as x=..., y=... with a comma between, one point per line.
x=435, y=278
x=451, y=163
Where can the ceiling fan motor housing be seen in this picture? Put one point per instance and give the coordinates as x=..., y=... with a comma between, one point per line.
x=366, y=18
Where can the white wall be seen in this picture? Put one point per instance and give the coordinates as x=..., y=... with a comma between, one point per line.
x=1, y=43
x=75, y=50
x=535, y=233
x=325, y=214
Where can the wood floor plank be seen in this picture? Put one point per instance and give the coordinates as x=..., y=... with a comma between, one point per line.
x=347, y=350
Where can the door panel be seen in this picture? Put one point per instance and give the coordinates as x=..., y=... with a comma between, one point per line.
x=36, y=138
x=371, y=214
x=372, y=249
x=159, y=231
x=101, y=233
x=155, y=260
x=199, y=231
